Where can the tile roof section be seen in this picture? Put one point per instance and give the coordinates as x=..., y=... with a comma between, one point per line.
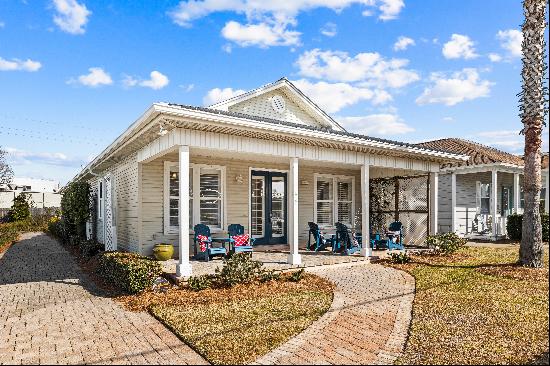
x=479, y=154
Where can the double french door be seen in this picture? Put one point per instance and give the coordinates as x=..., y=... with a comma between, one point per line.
x=268, y=207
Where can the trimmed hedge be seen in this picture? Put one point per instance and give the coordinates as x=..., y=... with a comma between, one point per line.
x=446, y=243
x=9, y=232
x=130, y=272
x=514, y=226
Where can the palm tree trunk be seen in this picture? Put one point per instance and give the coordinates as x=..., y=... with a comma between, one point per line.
x=532, y=112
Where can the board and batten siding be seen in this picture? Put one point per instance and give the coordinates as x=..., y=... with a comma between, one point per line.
x=236, y=195
x=466, y=205
x=125, y=178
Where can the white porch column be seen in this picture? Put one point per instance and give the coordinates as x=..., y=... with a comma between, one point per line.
x=183, y=268
x=546, y=203
x=366, y=251
x=434, y=188
x=453, y=202
x=494, y=202
x=517, y=191
x=293, y=228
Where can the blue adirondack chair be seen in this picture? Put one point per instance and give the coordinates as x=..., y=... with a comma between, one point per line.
x=238, y=229
x=346, y=243
x=319, y=241
x=395, y=236
x=201, y=229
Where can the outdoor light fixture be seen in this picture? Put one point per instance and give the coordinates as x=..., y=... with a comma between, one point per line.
x=239, y=179
x=162, y=131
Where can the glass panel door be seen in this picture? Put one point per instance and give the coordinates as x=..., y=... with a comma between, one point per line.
x=257, y=206
x=268, y=207
x=278, y=206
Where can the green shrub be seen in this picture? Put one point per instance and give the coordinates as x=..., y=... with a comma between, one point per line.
x=21, y=208
x=446, y=243
x=199, y=283
x=89, y=248
x=400, y=257
x=296, y=276
x=9, y=232
x=75, y=205
x=513, y=226
x=269, y=275
x=130, y=272
x=239, y=268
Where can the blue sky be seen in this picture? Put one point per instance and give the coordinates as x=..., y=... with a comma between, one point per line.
x=74, y=74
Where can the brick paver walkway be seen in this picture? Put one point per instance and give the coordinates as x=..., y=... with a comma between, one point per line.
x=367, y=323
x=51, y=313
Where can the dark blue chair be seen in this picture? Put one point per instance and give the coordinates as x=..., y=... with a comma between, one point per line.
x=346, y=243
x=319, y=241
x=238, y=229
x=201, y=229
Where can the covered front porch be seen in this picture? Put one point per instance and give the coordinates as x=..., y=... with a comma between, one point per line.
x=272, y=195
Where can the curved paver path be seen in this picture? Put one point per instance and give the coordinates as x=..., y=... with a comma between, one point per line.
x=367, y=323
x=51, y=313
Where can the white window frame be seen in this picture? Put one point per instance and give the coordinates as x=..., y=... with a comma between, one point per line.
x=479, y=197
x=196, y=169
x=335, y=180
x=100, y=199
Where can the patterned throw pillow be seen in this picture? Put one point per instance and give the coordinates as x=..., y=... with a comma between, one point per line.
x=203, y=242
x=240, y=240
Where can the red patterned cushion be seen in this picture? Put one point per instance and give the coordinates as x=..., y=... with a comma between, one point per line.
x=203, y=242
x=240, y=240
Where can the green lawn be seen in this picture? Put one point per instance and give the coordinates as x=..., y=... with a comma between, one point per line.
x=237, y=325
x=477, y=307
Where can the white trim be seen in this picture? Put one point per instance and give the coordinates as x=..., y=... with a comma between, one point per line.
x=434, y=209
x=482, y=168
x=453, y=203
x=494, y=202
x=335, y=178
x=172, y=230
x=183, y=268
x=366, y=250
x=100, y=198
x=294, y=257
x=517, y=194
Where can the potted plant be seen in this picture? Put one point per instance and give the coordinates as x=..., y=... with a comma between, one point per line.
x=163, y=251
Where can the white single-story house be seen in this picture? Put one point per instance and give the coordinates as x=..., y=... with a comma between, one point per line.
x=487, y=186
x=269, y=159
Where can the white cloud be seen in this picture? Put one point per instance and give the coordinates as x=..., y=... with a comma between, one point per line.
x=187, y=88
x=332, y=97
x=460, y=46
x=156, y=81
x=495, y=57
x=448, y=119
x=19, y=65
x=96, y=77
x=227, y=48
x=20, y=157
x=459, y=87
x=376, y=124
x=71, y=16
x=269, y=21
x=217, y=95
x=264, y=34
x=403, y=43
x=510, y=40
x=371, y=69
x=2, y=24
x=329, y=29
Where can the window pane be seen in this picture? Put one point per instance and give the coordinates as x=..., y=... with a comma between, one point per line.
x=174, y=184
x=344, y=191
x=324, y=213
x=485, y=190
x=210, y=212
x=344, y=213
x=485, y=203
x=324, y=189
x=174, y=211
x=210, y=185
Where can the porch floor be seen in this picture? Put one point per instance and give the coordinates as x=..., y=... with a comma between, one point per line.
x=275, y=258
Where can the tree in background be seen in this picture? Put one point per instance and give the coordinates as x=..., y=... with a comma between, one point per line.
x=21, y=208
x=6, y=173
x=533, y=110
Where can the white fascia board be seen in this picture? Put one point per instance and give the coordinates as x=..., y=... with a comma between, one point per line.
x=224, y=120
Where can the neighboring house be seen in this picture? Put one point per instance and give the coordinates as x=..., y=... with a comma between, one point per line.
x=487, y=186
x=44, y=193
x=269, y=159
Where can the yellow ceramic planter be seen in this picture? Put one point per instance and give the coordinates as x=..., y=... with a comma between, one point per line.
x=163, y=252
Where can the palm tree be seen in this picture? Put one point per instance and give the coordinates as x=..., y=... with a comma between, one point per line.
x=533, y=110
